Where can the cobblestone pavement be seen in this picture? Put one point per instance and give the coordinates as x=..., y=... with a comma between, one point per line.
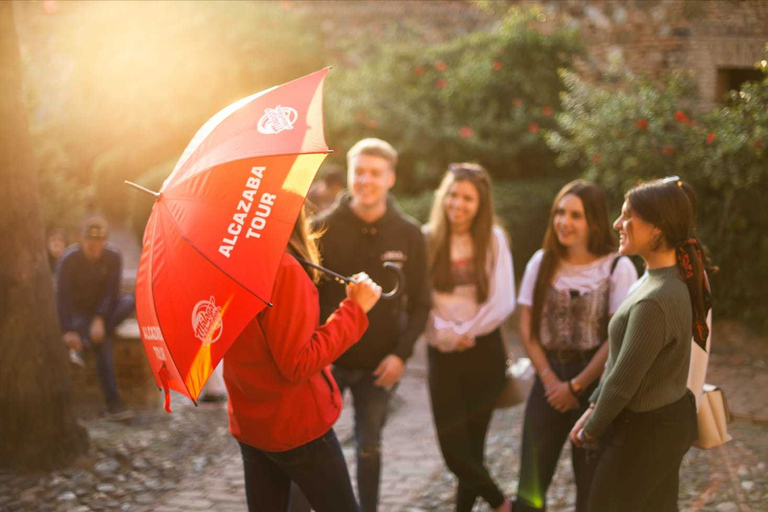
x=187, y=461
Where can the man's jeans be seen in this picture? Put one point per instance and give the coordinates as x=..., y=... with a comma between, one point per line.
x=370, y=402
x=104, y=360
x=317, y=467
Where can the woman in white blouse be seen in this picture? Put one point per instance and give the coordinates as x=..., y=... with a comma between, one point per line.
x=473, y=290
x=570, y=289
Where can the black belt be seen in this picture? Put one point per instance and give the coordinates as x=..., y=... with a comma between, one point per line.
x=570, y=355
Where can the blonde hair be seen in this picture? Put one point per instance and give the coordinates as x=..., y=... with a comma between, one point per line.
x=303, y=243
x=373, y=147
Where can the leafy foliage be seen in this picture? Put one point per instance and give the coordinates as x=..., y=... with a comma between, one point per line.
x=638, y=130
x=482, y=97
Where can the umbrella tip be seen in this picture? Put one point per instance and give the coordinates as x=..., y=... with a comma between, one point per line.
x=270, y=304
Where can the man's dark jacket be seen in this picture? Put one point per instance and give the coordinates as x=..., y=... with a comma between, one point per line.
x=350, y=245
x=87, y=288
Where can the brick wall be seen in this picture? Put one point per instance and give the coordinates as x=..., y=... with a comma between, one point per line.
x=648, y=36
x=659, y=36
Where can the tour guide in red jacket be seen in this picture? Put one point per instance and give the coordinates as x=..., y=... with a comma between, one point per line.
x=282, y=399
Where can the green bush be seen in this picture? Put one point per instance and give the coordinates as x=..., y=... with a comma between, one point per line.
x=638, y=130
x=483, y=97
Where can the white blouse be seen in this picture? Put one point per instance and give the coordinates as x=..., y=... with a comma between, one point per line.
x=457, y=313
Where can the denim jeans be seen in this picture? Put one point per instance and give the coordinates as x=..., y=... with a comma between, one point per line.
x=639, y=469
x=463, y=388
x=104, y=361
x=317, y=468
x=370, y=403
x=544, y=433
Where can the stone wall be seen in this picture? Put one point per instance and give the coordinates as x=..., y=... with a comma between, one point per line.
x=647, y=36
x=659, y=36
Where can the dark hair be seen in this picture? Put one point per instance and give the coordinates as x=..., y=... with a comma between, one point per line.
x=601, y=239
x=668, y=206
x=439, y=240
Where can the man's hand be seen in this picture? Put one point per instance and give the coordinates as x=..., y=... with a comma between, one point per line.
x=72, y=340
x=98, y=332
x=389, y=371
x=560, y=398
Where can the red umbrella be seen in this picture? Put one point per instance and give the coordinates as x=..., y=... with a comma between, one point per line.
x=219, y=226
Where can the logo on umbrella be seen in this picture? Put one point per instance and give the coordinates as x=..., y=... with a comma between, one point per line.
x=207, y=321
x=276, y=120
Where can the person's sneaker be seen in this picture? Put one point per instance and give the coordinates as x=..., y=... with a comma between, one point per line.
x=119, y=412
x=76, y=357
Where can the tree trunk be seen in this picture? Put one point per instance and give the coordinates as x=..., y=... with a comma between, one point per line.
x=38, y=428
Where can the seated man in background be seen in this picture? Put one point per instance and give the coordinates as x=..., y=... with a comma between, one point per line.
x=90, y=305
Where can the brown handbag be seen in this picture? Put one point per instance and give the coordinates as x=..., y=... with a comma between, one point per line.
x=713, y=417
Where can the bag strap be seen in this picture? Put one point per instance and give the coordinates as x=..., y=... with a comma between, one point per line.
x=615, y=263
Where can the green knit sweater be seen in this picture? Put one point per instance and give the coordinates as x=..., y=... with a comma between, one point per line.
x=650, y=350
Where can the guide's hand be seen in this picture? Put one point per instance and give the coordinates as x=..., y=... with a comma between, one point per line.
x=364, y=291
x=389, y=371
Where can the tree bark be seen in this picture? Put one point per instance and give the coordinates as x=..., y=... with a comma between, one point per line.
x=38, y=427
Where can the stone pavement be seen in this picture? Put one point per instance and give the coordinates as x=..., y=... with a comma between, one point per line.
x=733, y=478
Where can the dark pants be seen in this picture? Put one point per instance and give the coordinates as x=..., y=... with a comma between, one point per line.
x=463, y=387
x=103, y=351
x=318, y=468
x=544, y=433
x=370, y=402
x=639, y=469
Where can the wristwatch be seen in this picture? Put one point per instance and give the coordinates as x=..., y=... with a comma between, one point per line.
x=575, y=388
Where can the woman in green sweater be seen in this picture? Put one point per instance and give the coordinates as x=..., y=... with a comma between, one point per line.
x=641, y=412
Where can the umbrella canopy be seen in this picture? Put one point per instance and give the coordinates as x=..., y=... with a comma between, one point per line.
x=219, y=226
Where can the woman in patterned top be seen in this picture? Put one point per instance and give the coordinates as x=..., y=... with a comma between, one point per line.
x=570, y=289
x=472, y=282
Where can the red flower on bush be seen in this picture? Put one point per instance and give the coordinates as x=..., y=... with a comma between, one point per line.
x=466, y=132
x=596, y=158
x=680, y=117
x=286, y=5
x=418, y=70
x=642, y=123
x=50, y=6
x=440, y=83
x=517, y=103
x=360, y=116
x=668, y=150
x=497, y=65
x=441, y=66
x=710, y=138
x=547, y=111
x=533, y=127
x=758, y=144
x=372, y=124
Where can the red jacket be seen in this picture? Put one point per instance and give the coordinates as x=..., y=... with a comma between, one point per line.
x=281, y=395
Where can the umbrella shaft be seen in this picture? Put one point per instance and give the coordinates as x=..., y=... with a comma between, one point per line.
x=331, y=273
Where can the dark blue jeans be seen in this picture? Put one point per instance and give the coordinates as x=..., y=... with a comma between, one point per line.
x=370, y=403
x=545, y=431
x=103, y=351
x=317, y=467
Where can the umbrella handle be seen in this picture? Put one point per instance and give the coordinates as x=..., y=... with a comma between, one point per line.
x=398, y=289
x=392, y=294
